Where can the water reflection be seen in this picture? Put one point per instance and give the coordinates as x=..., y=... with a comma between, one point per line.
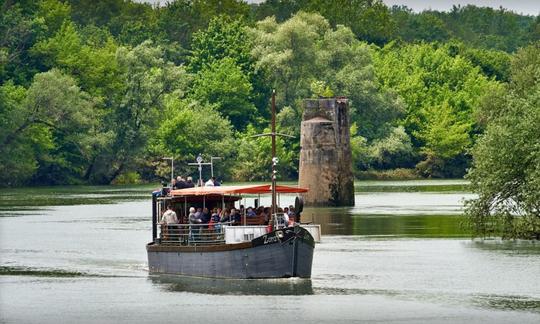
x=510, y=248
x=17, y=199
x=211, y=286
x=502, y=302
x=343, y=221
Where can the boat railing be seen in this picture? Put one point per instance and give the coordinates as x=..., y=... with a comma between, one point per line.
x=192, y=234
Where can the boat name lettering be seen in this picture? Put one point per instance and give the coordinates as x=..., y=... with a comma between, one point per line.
x=270, y=239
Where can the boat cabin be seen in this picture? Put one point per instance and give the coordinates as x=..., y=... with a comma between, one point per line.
x=225, y=228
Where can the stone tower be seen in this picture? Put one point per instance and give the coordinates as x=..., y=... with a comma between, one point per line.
x=325, y=155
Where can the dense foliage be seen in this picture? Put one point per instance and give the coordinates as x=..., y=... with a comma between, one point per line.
x=506, y=168
x=100, y=91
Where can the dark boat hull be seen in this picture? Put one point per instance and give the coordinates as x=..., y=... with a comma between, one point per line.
x=282, y=253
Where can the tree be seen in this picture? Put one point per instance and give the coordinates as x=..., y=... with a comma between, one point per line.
x=148, y=78
x=17, y=157
x=223, y=85
x=254, y=161
x=189, y=129
x=51, y=124
x=305, y=49
x=442, y=93
x=506, y=168
x=226, y=38
x=94, y=65
x=180, y=19
x=18, y=32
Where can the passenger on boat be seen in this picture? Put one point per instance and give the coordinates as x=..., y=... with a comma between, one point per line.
x=213, y=224
x=291, y=211
x=194, y=219
x=169, y=216
x=180, y=183
x=198, y=214
x=189, y=182
x=210, y=182
x=216, y=215
x=236, y=217
x=167, y=222
x=266, y=214
x=225, y=216
x=284, y=216
x=250, y=212
x=205, y=216
x=242, y=210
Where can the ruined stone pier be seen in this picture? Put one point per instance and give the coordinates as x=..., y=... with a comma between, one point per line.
x=325, y=155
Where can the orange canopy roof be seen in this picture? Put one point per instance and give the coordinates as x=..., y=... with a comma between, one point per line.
x=232, y=190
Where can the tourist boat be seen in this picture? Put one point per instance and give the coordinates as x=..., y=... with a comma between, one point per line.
x=251, y=248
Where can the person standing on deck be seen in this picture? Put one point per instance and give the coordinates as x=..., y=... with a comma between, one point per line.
x=190, y=183
x=168, y=220
x=194, y=219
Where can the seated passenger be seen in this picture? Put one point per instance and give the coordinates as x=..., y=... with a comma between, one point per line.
x=210, y=182
x=266, y=213
x=180, y=183
x=225, y=216
x=189, y=183
x=235, y=217
x=250, y=212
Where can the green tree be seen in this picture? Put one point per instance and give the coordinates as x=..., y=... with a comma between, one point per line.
x=51, y=124
x=224, y=38
x=18, y=32
x=180, y=19
x=189, y=129
x=442, y=93
x=224, y=85
x=305, y=49
x=94, y=65
x=17, y=153
x=369, y=20
x=506, y=168
x=254, y=161
x=148, y=78
x=228, y=38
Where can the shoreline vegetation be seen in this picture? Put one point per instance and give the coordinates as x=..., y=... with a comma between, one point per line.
x=99, y=92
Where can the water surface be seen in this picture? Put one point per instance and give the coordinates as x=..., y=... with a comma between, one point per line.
x=76, y=254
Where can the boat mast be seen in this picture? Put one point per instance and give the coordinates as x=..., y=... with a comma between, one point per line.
x=274, y=158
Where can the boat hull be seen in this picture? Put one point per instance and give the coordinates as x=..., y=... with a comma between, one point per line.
x=282, y=253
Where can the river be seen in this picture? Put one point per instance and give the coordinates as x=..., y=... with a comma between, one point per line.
x=77, y=255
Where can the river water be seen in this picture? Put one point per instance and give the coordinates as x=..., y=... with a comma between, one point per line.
x=77, y=255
